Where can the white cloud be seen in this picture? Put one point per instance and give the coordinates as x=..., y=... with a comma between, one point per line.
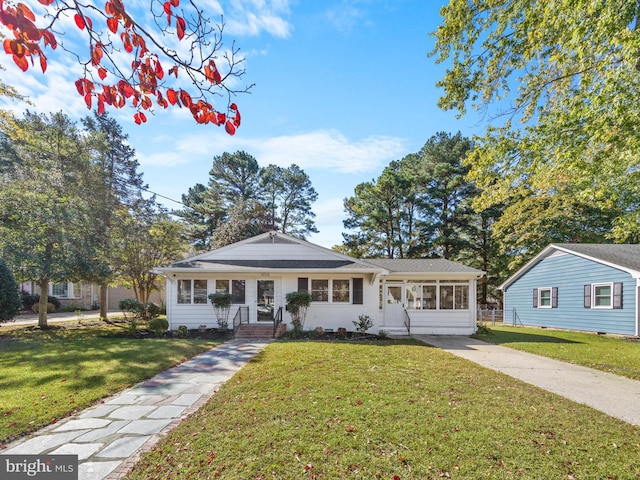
x=319, y=150
x=329, y=150
x=252, y=17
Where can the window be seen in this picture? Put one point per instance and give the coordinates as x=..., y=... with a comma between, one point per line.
x=184, y=291
x=222, y=286
x=200, y=291
x=60, y=290
x=429, y=297
x=461, y=297
x=320, y=290
x=340, y=291
x=237, y=291
x=603, y=295
x=192, y=291
x=446, y=297
x=546, y=297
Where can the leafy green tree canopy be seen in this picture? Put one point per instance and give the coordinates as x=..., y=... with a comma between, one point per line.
x=560, y=82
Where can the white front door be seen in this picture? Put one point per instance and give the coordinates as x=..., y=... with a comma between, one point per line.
x=394, y=306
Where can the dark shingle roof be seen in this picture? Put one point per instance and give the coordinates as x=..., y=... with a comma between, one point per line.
x=421, y=265
x=283, y=264
x=626, y=256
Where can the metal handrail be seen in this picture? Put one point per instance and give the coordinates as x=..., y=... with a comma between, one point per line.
x=407, y=321
x=237, y=319
x=277, y=320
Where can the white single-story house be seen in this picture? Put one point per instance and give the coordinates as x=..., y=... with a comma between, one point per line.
x=578, y=286
x=427, y=296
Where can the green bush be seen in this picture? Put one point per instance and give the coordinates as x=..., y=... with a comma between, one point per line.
x=363, y=324
x=182, y=331
x=297, y=306
x=50, y=307
x=28, y=301
x=158, y=326
x=9, y=297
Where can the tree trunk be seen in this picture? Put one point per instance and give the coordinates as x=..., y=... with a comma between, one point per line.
x=42, y=306
x=103, y=301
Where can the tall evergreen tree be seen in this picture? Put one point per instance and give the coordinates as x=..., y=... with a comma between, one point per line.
x=9, y=295
x=43, y=202
x=445, y=211
x=116, y=182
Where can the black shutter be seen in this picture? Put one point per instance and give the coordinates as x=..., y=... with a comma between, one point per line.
x=617, y=295
x=358, y=291
x=535, y=298
x=587, y=296
x=554, y=297
x=303, y=284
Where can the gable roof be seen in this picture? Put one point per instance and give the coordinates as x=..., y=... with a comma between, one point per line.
x=422, y=265
x=275, y=251
x=271, y=251
x=625, y=257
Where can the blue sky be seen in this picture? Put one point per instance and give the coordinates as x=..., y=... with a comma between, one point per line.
x=341, y=89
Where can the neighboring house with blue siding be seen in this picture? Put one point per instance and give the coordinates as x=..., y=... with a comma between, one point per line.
x=588, y=287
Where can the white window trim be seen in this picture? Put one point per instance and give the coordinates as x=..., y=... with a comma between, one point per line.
x=191, y=302
x=540, y=289
x=329, y=300
x=593, y=296
x=349, y=300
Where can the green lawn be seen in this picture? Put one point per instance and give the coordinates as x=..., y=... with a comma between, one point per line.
x=610, y=354
x=385, y=411
x=46, y=375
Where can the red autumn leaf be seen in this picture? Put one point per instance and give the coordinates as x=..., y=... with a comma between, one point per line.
x=46, y=2
x=180, y=27
x=231, y=130
x=100, y=104
x=43, y=63
x=159, y=71
x=172, y=96
x=7, y=46
x=233, y=106
x=102, y=73
x=185, y=98
x=174, y=70
x=213, y=117
x=80, y=86
x=167, y=8
x=175, y=3
x=87, y=100
x=126, y=41
x=96, y=54
x=136, y=118
x=79, y=21
x=143, y=117
x=112, y=23
x=25, y=11
x=221, y=118
x=21, y=62
x=236, y=119
x=49, y=39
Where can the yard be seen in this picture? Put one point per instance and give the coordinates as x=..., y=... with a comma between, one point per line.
x=46, y=375
x=388, y=410
x=608, y=353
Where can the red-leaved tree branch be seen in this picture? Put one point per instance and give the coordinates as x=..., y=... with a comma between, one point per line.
x=140, y=80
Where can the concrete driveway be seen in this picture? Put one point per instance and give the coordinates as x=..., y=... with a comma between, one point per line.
x=616, y=396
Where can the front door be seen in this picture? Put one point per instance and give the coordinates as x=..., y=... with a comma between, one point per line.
x=265, y=300
x=394, y=305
